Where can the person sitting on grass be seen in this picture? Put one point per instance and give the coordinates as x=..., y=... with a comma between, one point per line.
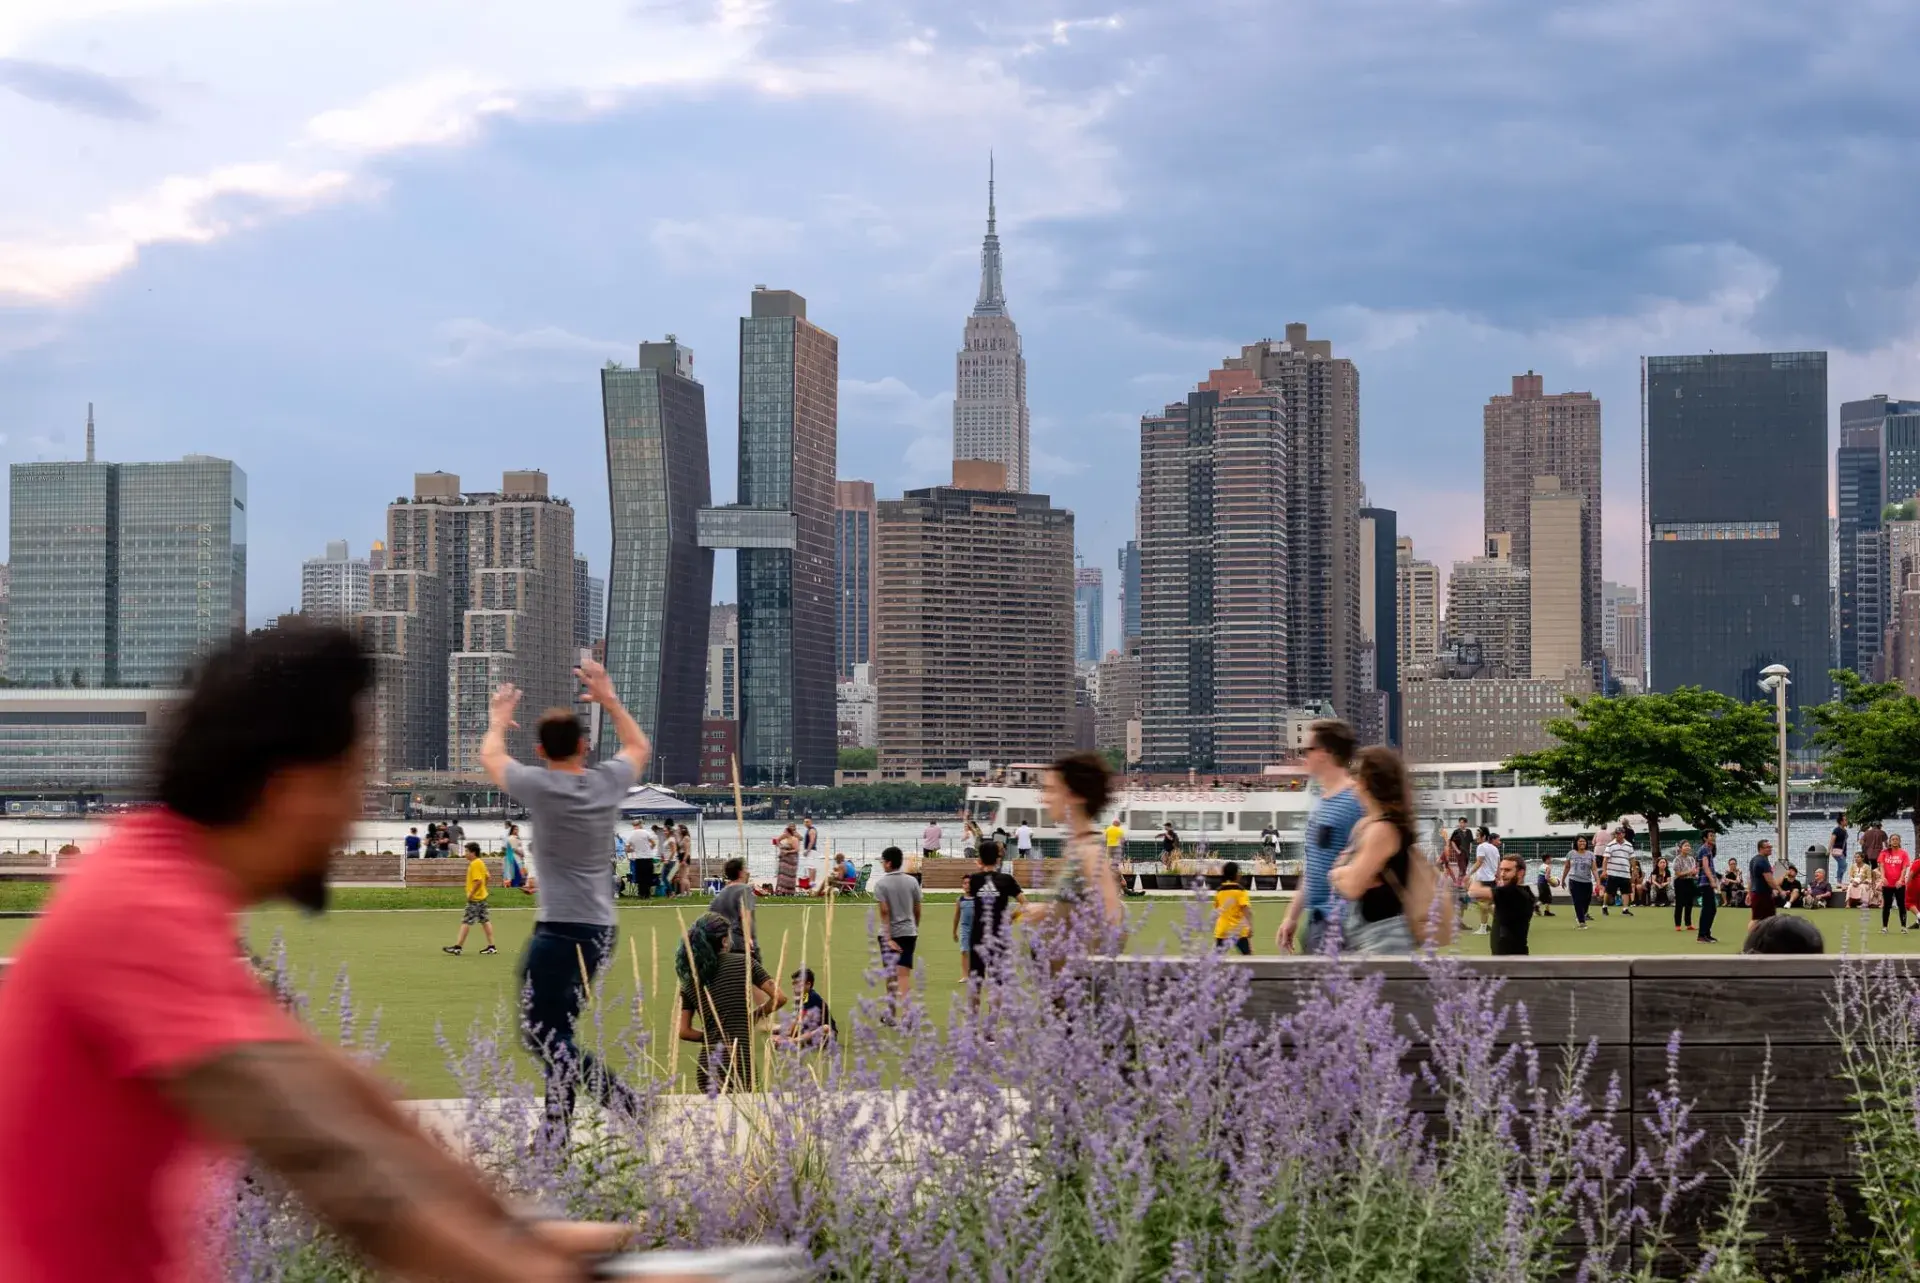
x=1660, y=885
x=1793, y=895
x=476, y=904
x=1232, y=913
x=1860, y=883
x=1783, y=934
x=1638, y=891
x=1732, y=889
x=1819, y=891
x=810, y=1025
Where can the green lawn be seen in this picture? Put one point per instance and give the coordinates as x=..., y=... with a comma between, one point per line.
x=394, y=962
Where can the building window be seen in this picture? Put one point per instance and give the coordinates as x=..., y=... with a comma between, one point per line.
x=1685, y=531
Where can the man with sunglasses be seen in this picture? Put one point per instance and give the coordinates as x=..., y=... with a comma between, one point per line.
x=1329, y=752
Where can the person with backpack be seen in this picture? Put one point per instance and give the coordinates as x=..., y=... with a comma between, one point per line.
x=1376, y=877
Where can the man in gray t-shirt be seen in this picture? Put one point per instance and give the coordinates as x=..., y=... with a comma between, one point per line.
x=898, y=896
x=573, y=807
x=735, y=903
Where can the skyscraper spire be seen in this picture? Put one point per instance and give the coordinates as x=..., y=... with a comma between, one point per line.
x=993, y=300
x=89, y=432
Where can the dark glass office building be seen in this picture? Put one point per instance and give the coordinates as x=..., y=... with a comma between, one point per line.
x=1380, y=609
x=661, y=583
x=783, y=529
x=1736, y=476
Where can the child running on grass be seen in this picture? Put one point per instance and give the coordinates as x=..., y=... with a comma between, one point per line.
x=1233, y=912
x=476, y=903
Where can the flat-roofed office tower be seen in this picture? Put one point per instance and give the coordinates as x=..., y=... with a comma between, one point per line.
x=990, y=420
x=1531, y=434
x=1736, y=476
x=1557, y=642
x=1214, y=576
x=783, y=529
x=853, y=572
x=661, y=578
x=124, y=573
x=974, y=655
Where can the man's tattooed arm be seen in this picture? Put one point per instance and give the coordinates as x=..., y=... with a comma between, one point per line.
x=302, y=1112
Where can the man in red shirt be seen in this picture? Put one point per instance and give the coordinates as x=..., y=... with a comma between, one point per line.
x=126, y=1065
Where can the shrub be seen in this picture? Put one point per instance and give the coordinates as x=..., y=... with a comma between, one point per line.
x=1095, y=1123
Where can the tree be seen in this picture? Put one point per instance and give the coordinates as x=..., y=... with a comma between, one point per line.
x=1696, y=754
x=1871, y=732
x=859, y=759
x=1116, y=759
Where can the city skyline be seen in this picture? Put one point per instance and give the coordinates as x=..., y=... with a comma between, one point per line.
x=270, y=259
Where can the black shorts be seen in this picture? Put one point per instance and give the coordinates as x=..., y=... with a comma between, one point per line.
x=1619, y=886
x=904, y=946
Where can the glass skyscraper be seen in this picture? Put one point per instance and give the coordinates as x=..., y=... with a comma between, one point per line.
x=1129, y=593
x=124, y=573
x=1089, y=615
x=1736, y=468
x=783, y=529
x=662, y=579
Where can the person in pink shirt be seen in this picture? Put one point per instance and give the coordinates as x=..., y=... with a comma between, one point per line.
x=129, y=1068
x=1896, y=870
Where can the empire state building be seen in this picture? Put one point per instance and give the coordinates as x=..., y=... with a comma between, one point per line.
x=990, y=380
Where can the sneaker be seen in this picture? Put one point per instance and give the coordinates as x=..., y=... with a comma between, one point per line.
x=453, y=949
x=1626, y=913
x=489, y=949
x=1679, y=928
x=1709, y=939
x=1605, y=912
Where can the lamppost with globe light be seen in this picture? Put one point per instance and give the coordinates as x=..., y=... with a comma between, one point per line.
x=1775, y=678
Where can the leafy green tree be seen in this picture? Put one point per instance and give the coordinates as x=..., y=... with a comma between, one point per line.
x=859, y=759
x=1871, y=734
x=1696, y=754
x=1116, y=759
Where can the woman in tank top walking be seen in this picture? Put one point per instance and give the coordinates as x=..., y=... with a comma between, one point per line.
x=1372, y=877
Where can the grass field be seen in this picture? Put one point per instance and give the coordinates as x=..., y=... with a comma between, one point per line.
x=389, y=942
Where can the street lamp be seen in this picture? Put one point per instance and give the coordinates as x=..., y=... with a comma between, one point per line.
x=1776, y=678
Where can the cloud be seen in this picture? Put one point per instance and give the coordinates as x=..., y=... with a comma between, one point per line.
x=75, y=89
x=544, y=352
x=721, y=245
x=193, y=209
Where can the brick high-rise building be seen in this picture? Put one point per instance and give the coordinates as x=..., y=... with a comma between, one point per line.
x=974, y=654
x=518, y=623
x=1490, y=601
x=853, y=517
x=782, y=529
x=1320, y=398
x=1419, y=590
x=1214, y=576
x=478, y=590
x=655, y=419
x=1530, y=434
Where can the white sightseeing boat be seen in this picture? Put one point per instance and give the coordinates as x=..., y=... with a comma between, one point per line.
x=1226, y=819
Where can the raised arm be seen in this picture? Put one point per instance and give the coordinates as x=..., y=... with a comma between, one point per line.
x=310, y=1117
x=494, y=758
x=635, y=749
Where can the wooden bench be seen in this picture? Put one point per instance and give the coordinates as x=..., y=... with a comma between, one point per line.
x=1729, y=1011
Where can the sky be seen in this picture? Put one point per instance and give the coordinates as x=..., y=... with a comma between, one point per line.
x=343, y=242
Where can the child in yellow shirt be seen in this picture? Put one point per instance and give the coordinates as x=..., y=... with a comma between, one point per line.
x=1232, y=912
x=476, y=903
